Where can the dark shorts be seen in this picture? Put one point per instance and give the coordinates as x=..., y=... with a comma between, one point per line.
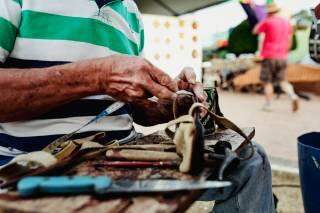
x=273, y=70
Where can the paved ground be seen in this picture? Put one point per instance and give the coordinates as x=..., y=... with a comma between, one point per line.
x=277, y=131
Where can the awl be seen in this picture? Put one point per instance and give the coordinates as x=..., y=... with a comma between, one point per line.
x=37, y=185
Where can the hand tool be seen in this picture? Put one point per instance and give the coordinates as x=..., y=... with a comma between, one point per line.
x=141, y=155
x=136, y=164
x=150, y=147
x=55, y=148
x=37, y=185
x=58, y=167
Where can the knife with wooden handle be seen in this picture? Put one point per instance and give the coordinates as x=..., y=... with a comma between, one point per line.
x=61, y=185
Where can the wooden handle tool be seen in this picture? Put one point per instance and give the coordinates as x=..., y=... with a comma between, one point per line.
x=141, y=155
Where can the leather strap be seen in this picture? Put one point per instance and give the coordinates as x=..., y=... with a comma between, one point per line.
x=218, y=119
x=223, y=121
x=182, y=119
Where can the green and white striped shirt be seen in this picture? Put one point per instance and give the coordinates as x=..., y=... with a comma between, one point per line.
x=41, y=33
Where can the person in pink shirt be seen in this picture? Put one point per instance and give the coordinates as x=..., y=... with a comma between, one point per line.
x=276, y=45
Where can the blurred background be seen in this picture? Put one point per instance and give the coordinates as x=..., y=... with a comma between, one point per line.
x=215, y=38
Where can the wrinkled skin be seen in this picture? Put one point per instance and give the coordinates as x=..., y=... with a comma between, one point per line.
x=134, y=78
x=28, y=93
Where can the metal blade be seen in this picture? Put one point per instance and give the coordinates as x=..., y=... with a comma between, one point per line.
x=54, y=148
x=163, y=186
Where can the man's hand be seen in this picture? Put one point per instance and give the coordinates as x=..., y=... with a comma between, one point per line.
x=186, y=80
x=147, y=112
x=133, y=79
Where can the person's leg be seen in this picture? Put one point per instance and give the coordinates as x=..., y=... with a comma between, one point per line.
x=285, y=85
x=288, y=89
x=268, y=93
x=266, y=78
x=251, y=190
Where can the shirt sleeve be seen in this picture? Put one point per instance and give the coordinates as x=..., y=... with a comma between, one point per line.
x=10, y=16
x=261, y=28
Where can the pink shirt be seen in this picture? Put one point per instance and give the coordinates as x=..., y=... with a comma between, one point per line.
x=277, y=32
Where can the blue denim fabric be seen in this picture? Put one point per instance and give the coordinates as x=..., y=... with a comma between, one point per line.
x=252, y=188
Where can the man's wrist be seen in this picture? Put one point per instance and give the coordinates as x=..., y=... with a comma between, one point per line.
x=80, y=77
x=100, y=70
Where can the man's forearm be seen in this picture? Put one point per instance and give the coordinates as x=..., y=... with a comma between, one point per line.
x=26, y=93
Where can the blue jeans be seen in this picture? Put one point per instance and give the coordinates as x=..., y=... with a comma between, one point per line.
x=252, y=188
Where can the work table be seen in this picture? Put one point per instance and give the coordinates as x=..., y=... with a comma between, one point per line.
x=168, y=202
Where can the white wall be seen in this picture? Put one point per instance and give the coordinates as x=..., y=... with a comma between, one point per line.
x=172, y=43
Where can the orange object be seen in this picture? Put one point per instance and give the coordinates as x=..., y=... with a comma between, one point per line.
x=304, y=78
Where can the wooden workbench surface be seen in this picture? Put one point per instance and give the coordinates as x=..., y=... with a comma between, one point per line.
x=169, y=202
